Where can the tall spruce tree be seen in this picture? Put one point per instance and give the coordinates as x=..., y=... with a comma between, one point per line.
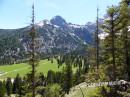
x=110, y=27
x=97, y=42
x=67, y=73
x=2, y=89
x=9, y=86
x=124, y=17
x=67, y=80
x=33, y=55
x=16, y=84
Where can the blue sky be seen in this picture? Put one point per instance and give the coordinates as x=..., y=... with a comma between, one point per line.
x=17, y=13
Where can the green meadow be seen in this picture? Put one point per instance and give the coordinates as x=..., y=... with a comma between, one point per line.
x=23, y=68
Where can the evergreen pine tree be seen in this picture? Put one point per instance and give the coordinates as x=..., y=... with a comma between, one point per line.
x=16, y=84
x=67, y=78
x=2, y=89
x=110, y=27
x=124, y=17
x=9, y=86
x=33, y=56
x=50, y=77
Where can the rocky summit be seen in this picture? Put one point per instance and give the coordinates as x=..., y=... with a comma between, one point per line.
x=53, y=35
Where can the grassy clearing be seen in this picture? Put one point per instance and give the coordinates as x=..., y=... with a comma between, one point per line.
x=24, y=68
x=88, y=92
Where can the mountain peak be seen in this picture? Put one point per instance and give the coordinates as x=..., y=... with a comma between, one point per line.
x=58, y=20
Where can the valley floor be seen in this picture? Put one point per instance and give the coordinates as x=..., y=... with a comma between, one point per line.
x=24, y=68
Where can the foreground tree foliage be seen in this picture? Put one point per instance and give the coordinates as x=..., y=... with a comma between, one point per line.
x=9, y=86
x=2, y=89
x=117, y=45
x=67, y=79
x=33, y=56
x=125, y=22
x=110, y=26
x=53, y=91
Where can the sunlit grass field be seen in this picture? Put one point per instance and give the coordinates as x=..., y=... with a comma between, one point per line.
x=23, y=68
x=88, y=92
x=85, y=92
